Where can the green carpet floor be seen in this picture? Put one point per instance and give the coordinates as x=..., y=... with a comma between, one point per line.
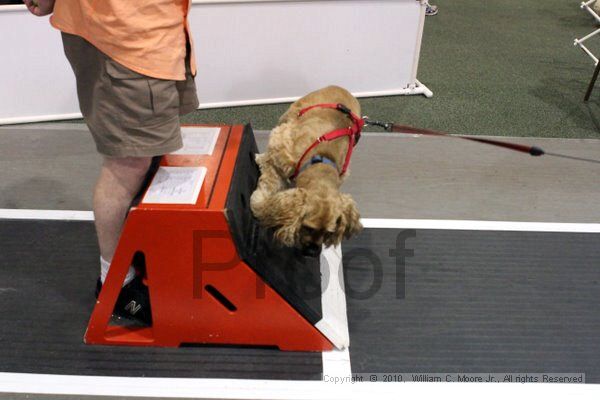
x=503, y=67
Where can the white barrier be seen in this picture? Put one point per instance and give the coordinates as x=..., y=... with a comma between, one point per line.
x=587, y=5
x=248, y=52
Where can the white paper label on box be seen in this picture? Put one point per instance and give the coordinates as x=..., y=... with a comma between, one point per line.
x=198, y=140
x=175, y=185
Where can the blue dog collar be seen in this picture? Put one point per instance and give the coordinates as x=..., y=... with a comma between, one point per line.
x=318, y=160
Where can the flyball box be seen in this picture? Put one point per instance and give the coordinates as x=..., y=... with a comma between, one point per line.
x=214, y=275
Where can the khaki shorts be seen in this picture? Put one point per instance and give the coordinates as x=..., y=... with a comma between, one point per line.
x=129, y=114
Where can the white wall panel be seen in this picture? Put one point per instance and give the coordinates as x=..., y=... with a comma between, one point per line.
x=248, y=52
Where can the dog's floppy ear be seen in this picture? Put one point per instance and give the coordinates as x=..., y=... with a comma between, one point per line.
x=350, y=220
x=284, y=211
x=280, y=151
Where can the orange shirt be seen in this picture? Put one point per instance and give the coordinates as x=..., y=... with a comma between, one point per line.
x=146, y=36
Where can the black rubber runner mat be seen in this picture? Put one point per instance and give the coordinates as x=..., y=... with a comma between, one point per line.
x=48, y=271
x=474, y=302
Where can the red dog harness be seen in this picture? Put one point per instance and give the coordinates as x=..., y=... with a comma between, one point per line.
x=353, y=133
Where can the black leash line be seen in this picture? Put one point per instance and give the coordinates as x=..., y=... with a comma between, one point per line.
x=573, y=157
x=531, y=150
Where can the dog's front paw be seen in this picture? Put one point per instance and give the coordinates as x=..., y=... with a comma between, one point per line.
x=351, y=218
x=257, y=201
x=259, y=158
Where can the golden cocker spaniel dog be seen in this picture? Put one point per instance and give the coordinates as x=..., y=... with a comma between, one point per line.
x=307, y=210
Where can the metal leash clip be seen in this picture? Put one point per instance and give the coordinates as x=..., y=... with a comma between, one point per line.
x=385, y=125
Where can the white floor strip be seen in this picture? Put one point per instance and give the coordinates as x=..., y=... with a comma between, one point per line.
x=449, y=224
x=481, y=225
x=334, y=323
x=280, y=390
x=67, y=215
x=336, y=363
x=176, y=387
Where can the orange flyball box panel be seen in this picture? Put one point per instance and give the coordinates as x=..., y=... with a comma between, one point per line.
x=214, y=275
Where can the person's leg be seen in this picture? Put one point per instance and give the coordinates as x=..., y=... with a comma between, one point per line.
x=132, y=118
x=119, y=181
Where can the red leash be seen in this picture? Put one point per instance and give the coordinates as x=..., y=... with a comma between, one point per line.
x=532, y=150
x=391, y=127
x=353, y=133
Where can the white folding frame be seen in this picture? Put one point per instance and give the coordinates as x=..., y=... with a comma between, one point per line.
x=586, y=5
